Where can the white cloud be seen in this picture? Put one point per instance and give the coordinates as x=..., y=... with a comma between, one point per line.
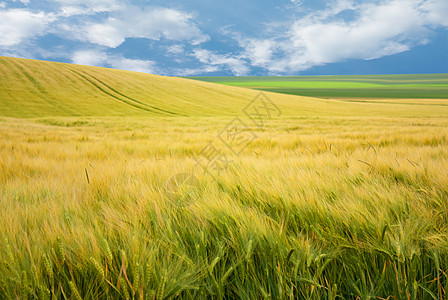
x=17, y=25
x=22, y=1
x=151, y=23
x=236, y=65
x=259, y=51
x=105, y=35
x=68, y=11
x=80, y=7
x=436, y=12
x=137, y=65
x=176, y=49
x=376, y=29
x=379, y=31
x=194, y=71
x=89, y=58
x=102, y=59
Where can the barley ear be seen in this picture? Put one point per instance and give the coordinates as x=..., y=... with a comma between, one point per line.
x=161, y=288
x=75, y=291
x=107, y=251
x=48, y=265
x=60, y=250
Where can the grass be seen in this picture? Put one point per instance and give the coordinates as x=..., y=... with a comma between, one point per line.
x=431, y=86
x=332, y=199
x=31, y=88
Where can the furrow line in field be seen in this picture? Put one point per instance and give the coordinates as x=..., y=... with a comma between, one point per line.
x=111, y=94
x=132, y=99
x=119, y=96
x=27, y=77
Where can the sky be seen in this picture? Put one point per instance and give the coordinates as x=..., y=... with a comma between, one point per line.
x=232, y=37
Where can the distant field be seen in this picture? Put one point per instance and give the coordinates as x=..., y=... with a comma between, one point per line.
x=364, y=86
x=123, y=185
x=30, y=88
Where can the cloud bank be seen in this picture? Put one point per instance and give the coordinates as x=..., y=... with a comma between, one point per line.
x=343, y=30
x=18, y=25
x=375, y=30
x=150, y=23
x=100, y=58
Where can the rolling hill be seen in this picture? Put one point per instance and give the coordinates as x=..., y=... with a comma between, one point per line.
x=34, y=89
x=411, y=86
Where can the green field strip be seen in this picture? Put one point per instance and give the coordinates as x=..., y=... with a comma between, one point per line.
x=390, y=102
x=302, y=84
x=363, y=93
x=364, y=86
x=328, y=84
x=424, y=78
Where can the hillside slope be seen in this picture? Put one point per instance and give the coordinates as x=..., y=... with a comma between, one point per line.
x=33, y=89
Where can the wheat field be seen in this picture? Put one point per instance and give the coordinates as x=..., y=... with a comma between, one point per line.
x=325, y=200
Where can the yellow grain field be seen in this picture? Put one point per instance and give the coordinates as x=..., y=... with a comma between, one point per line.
x=102, y=199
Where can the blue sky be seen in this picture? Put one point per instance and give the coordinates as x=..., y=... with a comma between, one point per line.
x=233, y=37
